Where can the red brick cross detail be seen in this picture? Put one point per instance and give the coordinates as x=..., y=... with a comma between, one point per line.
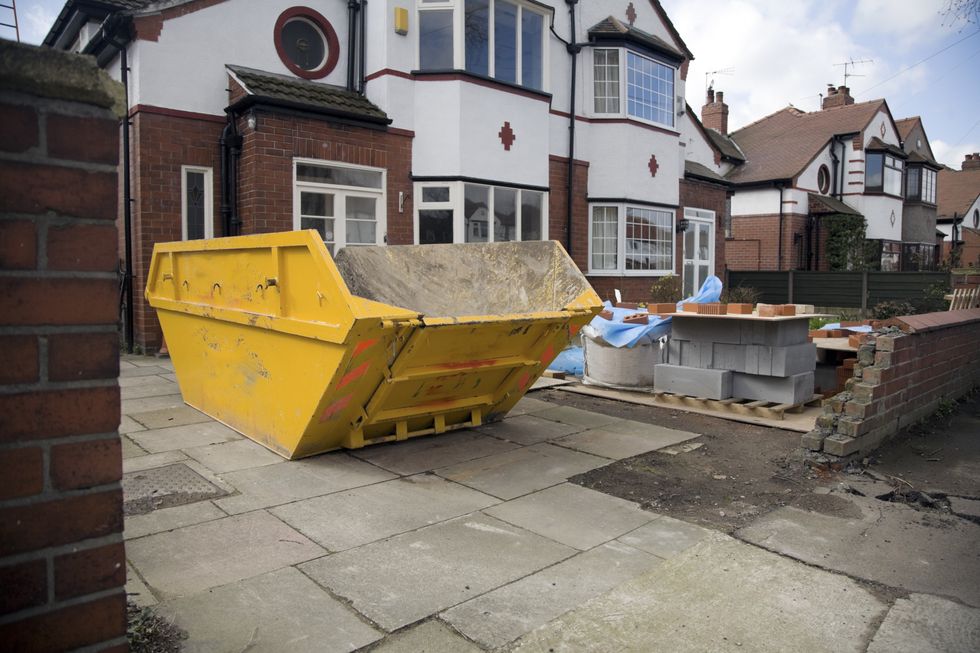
x=653, y=165
x=507, y=136
x=631, y=14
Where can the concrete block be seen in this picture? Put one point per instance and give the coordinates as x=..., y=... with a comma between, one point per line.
x=840, y=445
x=705, y=329
x=782, y=390
x=812, y=440
x=728, y=357
x=712, y=384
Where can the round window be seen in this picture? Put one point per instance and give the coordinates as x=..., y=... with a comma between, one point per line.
x=306, y=42
x=823, y=179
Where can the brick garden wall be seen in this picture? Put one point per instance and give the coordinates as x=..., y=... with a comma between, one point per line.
x=62, y=564
x=900, y=378
x=753, y=245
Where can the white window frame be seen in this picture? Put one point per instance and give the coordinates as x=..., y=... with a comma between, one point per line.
x=621, y=270
x=624, y=111
x=457, y=202
x=341, y=193
x=458, y=8
x=208, y=200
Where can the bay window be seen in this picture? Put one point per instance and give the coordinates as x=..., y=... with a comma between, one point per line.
x=502, y=39
x=343, y=203
x=457, y=212
x=920, y=184
x=648, y=93
x=883, y=173
x=631, y=240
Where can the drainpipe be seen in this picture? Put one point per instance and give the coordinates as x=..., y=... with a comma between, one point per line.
x=779, y=257
x=833, y=155
x=363, y=46
x=351, y=41
x=573, y=49
x=224, y=144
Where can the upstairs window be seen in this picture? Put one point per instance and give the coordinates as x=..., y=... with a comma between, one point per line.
x=648, y=93
x=502, y=39
x=456, y=212
x=920, y=184
x=883, y=173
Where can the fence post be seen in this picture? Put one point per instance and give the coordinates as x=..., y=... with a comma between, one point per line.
x=790, y=293
x=864, y=293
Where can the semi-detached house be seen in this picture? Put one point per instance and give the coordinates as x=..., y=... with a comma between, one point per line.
x=412, y=121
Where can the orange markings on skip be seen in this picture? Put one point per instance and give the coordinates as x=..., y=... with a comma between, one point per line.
x=361, y=346
x=335, y=408
x=548, y=355
x=354, y=374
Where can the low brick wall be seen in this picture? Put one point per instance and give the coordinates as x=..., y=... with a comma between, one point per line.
x=62, y=561
x=901, y=377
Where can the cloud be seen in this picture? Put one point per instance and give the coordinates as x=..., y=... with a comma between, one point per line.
x=911, y=22
x=35, y=23
x=952, y=155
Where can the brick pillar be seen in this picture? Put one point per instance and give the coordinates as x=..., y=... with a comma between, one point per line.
x=62, y=563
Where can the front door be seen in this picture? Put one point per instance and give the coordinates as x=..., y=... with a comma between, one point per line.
x=699, y=249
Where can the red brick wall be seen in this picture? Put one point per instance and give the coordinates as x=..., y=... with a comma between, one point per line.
x=700, y=195
x=755, y=238
x=266, y=172
x=899, y=380
x=62, y=565
x=558, y=208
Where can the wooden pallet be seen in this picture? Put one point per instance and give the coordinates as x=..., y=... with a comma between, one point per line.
x=766, y=409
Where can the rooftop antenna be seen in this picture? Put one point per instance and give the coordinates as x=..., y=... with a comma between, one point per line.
x=12, y=7
x=849, y=64
x=709, y=82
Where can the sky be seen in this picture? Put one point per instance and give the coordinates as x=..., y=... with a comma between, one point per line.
x=780, y=52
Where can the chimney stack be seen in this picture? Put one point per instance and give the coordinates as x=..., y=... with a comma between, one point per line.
x=714, y=114
x=837, y=97
x=971, y=162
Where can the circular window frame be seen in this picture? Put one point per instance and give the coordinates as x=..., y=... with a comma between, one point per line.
x=332, y=44
x=824, y=184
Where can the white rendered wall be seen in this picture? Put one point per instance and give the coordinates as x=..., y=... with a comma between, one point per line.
x=619, y=157
x=764, y=201
x=877, y=211
x=808, y=178
x=873, y=130
x=695, y=147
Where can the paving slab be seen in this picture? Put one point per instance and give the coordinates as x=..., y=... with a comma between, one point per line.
x=351, y=518
x=130, y=449
x=573, y=515
x=130, y=406
x=577, y=416
x=618, y=441
x=145, y=370
x=234, y=455
x=128, y=425
x=665, y=536
x=184, y=437
x=508, y=612
x=720, y=595
x=169, y=377
x=966, y=508
x=427, y=637
x=167, y=417
x=138, y=360
x=195, y=558
x=427, y=453
x=279, y=611
x=133, y=382
x=273, y=485
x=149, y=461
x=928, y=624
x=528, y=429
x=528, y=404
x=136, y=589
x=885, y=542
x=157, y=388
x=168, y=519
x=411, y=576
x=514, y=473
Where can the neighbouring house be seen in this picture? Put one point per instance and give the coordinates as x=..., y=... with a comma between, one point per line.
x=412, y=121
x=803, y=182
x=959, y=211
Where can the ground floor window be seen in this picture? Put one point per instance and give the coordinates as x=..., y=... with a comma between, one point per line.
x=196, y=203
x=465, y=212
x=632, y=240
x=344, y=203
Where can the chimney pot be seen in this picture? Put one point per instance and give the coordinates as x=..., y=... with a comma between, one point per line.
x=721, y=96
x=714, y=114
x=711, y=95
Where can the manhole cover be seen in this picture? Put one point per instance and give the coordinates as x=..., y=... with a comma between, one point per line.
x=165, y=487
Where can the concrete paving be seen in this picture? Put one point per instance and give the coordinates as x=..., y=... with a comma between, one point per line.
x=426, y=454
x=528, y=429
x=618, y=441
x=928, y=624
x=427, y=637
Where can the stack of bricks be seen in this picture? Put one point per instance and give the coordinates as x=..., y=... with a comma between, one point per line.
x=62, y=563
x=899, y=379
x=751, y=358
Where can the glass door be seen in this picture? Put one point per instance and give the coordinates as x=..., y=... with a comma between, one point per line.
x=699, y=249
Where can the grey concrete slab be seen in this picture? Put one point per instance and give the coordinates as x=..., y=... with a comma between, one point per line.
x=624, y=440
x=781, y=390
x=152, y=460
x=693, y=381
x=168, y=519
x=167, y=417
x=146, y=370
x=968, y=508
x=166, y=364
x=234, y=455
x=528, y=429
x=347, y=519
x=427, y=453
x=720, y=595
x=577, y=417
x=125, y=364
x=169, y=377
x=195, y=558
x=282, y=610
x=928, y=624
x=411, y=576
x=133, y=382
x=136, y=589
x=506, y=613
x=427, y=637
x=547, y=382
x=130, y=449
x=529, y=404
x=665, y=536
x=184, y=437
x=138, y=360
x=573, y=515
x=884, y=542
x=155, y=389
x=128, y=425
x=130, y=406
x=273, y=485
x=514, y=473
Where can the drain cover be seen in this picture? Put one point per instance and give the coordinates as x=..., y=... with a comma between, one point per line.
x=165, y=487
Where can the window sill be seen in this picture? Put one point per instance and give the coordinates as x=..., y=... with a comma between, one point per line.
x=881, y=193
x=481, y=80
x=629, y=273
x=631, y=120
